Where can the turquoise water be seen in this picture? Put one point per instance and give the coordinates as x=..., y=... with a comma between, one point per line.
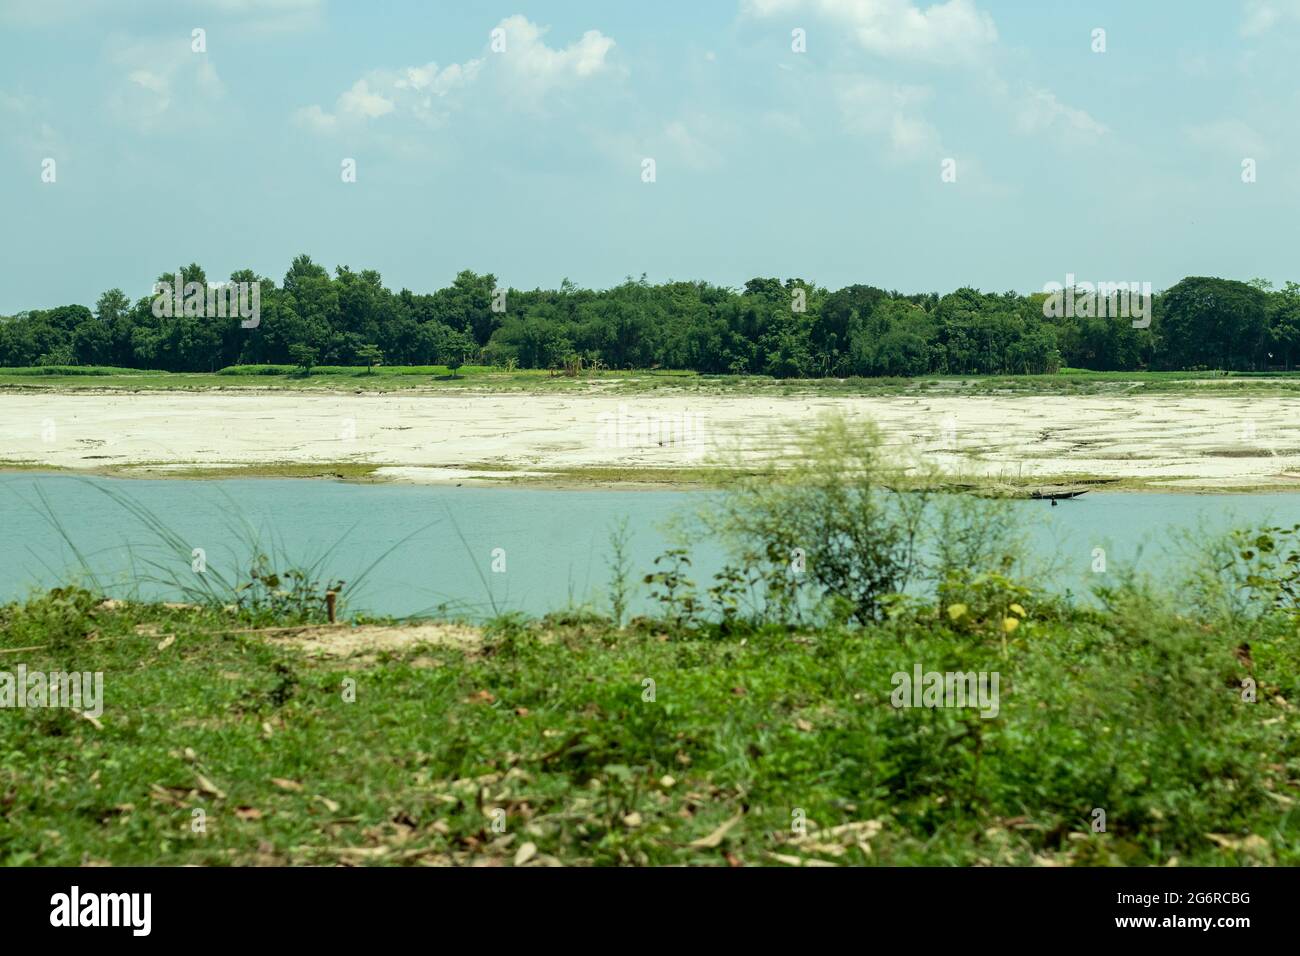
x=554, y=543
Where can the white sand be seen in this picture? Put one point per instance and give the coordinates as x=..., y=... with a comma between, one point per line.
x=1180, y=440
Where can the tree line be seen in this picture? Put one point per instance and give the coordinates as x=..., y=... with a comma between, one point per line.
x=786, y=329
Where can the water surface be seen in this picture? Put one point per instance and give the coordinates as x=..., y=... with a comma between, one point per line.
x=554, y=544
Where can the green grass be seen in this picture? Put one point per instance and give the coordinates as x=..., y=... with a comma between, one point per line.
x=380, y=378
x=71, y=371
x=381, y=371
x=1136, y=711
x=485, y=378
x=335, y=470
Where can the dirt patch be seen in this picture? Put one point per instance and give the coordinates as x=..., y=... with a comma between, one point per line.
x=364, y=644
x=1245, y=452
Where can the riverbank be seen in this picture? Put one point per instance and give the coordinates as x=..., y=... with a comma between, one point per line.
x=1186, y=440
x=570, y=741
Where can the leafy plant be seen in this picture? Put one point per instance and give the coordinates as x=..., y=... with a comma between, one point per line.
x=729, y=589
x=983, y=603
x=619, y=572
x=291, y=595
x=673, y=589
x=1267, y=562
x=60, y=618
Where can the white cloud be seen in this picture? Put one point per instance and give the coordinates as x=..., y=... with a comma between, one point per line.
x=315, y=118
x=1264, y=15
x=156, y=76
x=526, y=71
x=417, y=92
x=1042, y=112
x=889, y=112
x=361, y=102
x=532, y=69
x=438, y=82
x=153, y=82
x=953, y=31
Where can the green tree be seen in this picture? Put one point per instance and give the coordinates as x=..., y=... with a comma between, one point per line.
x=304, y=356
x=371, y=355
x=112, y=306
x=1284, y=325
x=1216, y=323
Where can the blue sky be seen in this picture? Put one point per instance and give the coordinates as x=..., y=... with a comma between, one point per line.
x=1117, y=166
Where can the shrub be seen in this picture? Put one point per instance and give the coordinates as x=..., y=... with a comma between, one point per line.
x=59, y=618
x=1269, y=564
x=842, y=517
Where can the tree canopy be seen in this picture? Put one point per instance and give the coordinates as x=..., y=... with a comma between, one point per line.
x=788, y=328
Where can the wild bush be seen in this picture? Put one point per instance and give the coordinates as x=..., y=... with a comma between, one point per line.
x=849, y=523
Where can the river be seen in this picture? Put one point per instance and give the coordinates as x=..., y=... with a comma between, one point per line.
x=475, y=551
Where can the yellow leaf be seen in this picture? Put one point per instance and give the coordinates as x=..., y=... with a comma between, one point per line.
x=1018, y=609
x=714, y=839
x=207, y=786
x=1009, y=624
x=525, y=853
x=955, y=611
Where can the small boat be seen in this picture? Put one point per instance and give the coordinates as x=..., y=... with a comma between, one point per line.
x=1044, y=494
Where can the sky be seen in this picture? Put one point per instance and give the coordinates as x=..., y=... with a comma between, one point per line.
x=916, y=146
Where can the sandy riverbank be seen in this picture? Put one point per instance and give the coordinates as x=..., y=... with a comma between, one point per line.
x=1176, y=441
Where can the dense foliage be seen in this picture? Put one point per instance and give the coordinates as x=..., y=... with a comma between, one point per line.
x=784, y=329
